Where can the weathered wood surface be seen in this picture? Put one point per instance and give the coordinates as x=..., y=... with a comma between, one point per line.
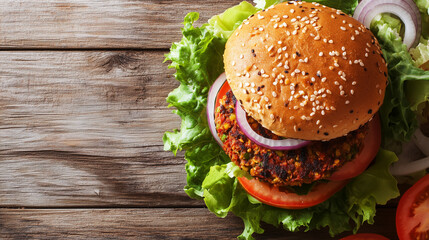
x=150, y=223
x=85, y=129
x=98, y=24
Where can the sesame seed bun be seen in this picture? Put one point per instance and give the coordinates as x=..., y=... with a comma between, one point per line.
x=306, y=71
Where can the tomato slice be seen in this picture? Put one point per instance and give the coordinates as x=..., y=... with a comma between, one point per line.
x=412, y=215
x=371, y=146
x=365, y=236
x=222, y=91
x=272, y=196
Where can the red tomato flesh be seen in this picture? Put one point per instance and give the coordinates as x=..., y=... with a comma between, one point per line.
x=412, y=215
x=222, y=91
x=371, y=143
x=271, y=195
x=365, y=236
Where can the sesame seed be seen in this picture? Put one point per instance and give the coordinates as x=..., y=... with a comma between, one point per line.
x=352, y=92
x=291, y=117
x=317, y=37
x=274, y=94
x=336, y=64
x=354, y=83
x=336, y=83
x=352, y=38
x=341, y=92
x=270, y=48
x=271, y=116
x=261, y=29
x=233, y=63
x=292, y=11
x=260, y=17
x=323, y=79
x=343, y=28
x=317, y=122
x=347, y=102
x=321, y=54
x=253, y=90
x=241, y=56
x=313, y=79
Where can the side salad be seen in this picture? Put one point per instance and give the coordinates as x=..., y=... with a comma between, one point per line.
x=198, y=60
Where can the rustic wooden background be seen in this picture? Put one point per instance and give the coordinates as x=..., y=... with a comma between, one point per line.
x=82, y=114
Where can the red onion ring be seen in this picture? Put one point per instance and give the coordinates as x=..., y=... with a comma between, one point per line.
x=284, y=144
x=211, y=105
x=406, y=10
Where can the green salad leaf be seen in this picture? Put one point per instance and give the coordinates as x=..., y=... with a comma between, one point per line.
x=408, y=85
x=198, y=61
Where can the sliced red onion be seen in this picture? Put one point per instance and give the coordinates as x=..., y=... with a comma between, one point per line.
x=411, y=160
x=211, y=105
x=406, y=10
x=421, y=141
x=284, y=144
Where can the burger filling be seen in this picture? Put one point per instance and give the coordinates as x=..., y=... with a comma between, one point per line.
x=313, y=162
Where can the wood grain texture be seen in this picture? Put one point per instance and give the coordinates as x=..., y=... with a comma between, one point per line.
x=151, y=223
x=85, y=129
x=80, y=24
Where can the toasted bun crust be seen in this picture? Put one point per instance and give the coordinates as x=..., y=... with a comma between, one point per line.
x=306, y=71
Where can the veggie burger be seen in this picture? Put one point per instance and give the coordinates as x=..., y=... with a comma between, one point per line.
x=296, y=106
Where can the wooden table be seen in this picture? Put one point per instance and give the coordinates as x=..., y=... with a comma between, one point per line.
x=82, y=114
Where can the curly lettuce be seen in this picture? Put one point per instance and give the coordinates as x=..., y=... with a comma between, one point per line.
x=408, y=84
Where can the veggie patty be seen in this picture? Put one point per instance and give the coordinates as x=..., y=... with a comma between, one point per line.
x=292, y=167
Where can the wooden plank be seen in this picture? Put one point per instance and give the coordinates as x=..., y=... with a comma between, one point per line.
x=85, y=129
x=98, y=24
x=90, y=103
x=153, y=223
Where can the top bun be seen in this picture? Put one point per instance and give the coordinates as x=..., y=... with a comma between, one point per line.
x=306, y=71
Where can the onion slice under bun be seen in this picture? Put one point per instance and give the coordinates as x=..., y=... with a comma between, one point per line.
x=211, y=105
x=283, y=144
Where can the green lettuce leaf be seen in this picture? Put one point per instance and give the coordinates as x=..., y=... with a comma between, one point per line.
x=408, y=85
x=420, y=54
x=224, y=24
x=198, y=61
x=357, y=201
